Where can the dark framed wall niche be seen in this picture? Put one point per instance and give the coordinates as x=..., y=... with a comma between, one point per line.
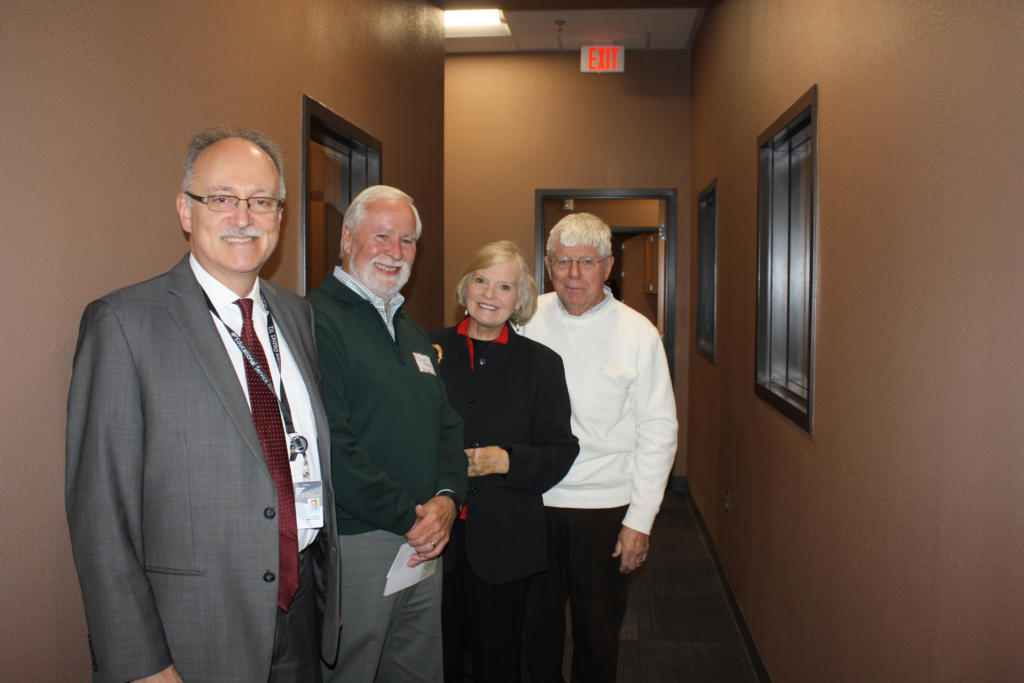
x=339, y=160
x=787, y=221
x=707, y=269
x=658, y=232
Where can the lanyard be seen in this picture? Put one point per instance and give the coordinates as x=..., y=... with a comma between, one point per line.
x=247, y=354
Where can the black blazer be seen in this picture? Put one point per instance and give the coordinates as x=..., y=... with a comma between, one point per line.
x=515, y=397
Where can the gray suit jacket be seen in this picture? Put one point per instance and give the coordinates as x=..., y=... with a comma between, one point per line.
x=168, y=491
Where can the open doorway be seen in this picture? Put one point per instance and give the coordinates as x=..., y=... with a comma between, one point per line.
x=339, y=161
x=643, y=224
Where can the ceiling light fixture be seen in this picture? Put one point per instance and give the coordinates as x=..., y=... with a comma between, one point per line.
x=475, y=23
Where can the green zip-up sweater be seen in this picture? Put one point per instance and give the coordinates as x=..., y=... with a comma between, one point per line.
x=395, y=440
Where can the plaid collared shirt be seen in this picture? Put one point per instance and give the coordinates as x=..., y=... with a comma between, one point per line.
x=385, y=308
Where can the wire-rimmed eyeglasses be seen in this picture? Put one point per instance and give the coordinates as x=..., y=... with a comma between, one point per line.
x=584, y=263
x=229, y=202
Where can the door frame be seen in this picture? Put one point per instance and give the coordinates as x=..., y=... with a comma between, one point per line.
x=322, y=125
x=669, y=196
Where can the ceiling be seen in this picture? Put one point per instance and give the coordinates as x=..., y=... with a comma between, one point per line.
x=654, y=25
x=536, y=5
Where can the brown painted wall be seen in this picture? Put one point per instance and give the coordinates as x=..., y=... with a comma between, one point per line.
x=99, y=102
x=889, y=544
x=518, y=123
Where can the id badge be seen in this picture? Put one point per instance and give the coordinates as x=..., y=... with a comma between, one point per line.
x=309, y=504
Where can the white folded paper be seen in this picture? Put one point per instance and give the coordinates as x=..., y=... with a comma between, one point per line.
x=401, y=575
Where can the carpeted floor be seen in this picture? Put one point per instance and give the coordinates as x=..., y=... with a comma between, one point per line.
x=679, y=625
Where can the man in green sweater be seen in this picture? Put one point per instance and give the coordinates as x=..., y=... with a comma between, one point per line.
x=399, y=470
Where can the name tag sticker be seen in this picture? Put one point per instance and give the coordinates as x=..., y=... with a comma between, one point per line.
x=424, y=364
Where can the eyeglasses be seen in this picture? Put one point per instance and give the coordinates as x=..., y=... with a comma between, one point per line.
x=584, y=263
x=229, y=202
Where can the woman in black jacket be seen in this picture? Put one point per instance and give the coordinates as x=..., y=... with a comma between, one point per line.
x=511, y=393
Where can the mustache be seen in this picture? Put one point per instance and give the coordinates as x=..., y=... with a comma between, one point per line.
x=391, y=263
x=241, y=232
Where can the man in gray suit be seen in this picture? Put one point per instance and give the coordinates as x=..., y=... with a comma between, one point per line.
x=196, y=442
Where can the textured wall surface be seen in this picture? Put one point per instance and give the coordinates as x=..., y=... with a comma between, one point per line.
x=518, y=123
x=887, y=545
x=100, y=100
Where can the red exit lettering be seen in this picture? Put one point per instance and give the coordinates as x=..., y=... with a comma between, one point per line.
x=603, y=58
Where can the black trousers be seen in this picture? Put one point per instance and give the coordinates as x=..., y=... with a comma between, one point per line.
x=582, y=571
x=486, y=618
x=297, y=641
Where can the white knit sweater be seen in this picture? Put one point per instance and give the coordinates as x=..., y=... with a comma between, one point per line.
x=623, y=407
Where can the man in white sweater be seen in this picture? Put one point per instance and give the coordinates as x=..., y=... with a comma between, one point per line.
x=624, y=414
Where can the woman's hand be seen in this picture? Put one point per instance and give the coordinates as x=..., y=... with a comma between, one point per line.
x=487, y=460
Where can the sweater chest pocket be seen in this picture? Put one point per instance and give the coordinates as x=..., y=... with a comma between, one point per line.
x=612, y=382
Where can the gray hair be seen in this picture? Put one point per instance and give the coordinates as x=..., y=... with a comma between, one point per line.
x=493, y=254
x=356, y=211
x=581, y=230
x=211, y=136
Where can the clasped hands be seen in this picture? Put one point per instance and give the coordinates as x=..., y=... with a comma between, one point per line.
x=434, y=519
x=487, y=460
x=430, y=533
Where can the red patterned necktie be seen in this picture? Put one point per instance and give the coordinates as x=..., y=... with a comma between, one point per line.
x=266, y=415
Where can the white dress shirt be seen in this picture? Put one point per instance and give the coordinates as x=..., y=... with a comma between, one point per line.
x=223, y=300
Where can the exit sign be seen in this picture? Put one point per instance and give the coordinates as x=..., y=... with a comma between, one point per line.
x=602, y=59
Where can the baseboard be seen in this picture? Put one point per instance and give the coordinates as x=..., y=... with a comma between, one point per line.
x=681, y=484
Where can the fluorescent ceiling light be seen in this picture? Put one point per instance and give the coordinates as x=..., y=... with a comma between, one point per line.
x=474, y=23
x=472, y=17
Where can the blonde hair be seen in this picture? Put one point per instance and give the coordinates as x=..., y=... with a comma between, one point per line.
x=493, y=254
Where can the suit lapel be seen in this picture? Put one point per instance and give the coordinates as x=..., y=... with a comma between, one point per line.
x=192, y=315
x=303, y=349
x=290, y=329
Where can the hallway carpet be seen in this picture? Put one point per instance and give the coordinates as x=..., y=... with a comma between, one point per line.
x=679, y=624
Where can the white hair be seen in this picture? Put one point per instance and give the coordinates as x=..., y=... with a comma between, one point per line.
x=356, y=211
x=581, y=230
